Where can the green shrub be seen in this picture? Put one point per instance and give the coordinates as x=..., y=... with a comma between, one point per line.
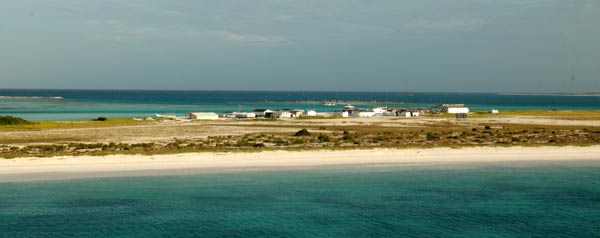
x=324, y=138
x=100, y=119
x=259, y=145
x=243, y=143
x=11, y=121
x=432, y=136
x=303, y=132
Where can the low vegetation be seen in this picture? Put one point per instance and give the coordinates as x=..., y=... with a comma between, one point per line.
x=103, y=136
x=303, y=132
x=556, y=114
x=100, y=119
x=332, y=137
x=13, y=121
x=53, y=125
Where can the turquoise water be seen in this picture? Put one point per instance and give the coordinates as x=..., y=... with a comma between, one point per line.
x=88, y=104
x=524, y=200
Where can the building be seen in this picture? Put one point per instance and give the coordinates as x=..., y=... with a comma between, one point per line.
x=390, y=113
x=228, y=115
x=203, y=116
x=349, y=109
x=379, y=111
x=261, y=112
x=244, y=115
x=404, y=114
x=493, y=111
x=452, y=108
x=365, y=113
x=343, y=113
x=296, y=113
x=311, y=113
x=280, y=114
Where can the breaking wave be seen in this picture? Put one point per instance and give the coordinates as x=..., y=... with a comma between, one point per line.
x=30, y=97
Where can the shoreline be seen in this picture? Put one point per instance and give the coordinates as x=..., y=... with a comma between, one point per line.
x=78, y=167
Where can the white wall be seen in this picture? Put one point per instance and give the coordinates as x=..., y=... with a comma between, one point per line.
x=455, y=110
x=283, y=114
x=204, y=116
x=366, y=114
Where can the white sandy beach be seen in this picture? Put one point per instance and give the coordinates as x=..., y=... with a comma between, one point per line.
x=131, y=165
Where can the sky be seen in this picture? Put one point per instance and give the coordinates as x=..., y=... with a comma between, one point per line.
x=312, y=45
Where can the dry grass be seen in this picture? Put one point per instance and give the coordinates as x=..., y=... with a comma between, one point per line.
x=49, y=125
x=555, y=114
x=128, y=136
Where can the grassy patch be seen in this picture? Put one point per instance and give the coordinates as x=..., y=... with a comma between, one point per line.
x=435, y=133
x=557, y=114
x=49, y=125
x=13, y=121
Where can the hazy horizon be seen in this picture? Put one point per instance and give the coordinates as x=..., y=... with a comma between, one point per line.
x=513, y=46
x=308, y=91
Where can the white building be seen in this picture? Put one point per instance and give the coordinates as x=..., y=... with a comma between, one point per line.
x=261, y=112
x=311, y=113
x=390, y=113
x=380, y=110
x=244, y=115
x=343, y=113
x=296, y=113
x=493, y=111
x=366, y=114
x=453, y=108
x=228, y=115
x=203, y=115
x=282, y=114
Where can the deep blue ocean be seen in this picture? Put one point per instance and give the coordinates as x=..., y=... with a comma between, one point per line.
x=87, y=104
x=490, y=200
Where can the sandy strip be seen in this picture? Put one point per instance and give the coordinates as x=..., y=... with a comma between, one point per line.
x=125, y=165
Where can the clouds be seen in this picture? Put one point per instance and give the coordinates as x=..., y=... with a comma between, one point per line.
x=425, y=45
x=446, y=24
x=122, y=32
x=252, y=37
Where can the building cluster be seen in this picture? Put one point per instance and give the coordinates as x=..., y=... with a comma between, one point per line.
x=346, y=111
x=452, y=108
x=256, y=113
x=351, y=111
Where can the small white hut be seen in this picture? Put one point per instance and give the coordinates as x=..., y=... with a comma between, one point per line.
x=244, y=115
x=453, y=108
x=282, y=114
x=203, y=116
x=261, y=112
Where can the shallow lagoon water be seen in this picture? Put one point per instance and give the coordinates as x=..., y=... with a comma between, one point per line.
x=88, y=104
x=491, y=200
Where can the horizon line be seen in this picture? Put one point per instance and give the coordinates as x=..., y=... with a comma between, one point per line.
x=278, y=90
